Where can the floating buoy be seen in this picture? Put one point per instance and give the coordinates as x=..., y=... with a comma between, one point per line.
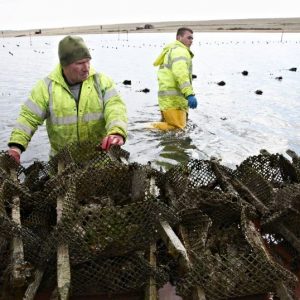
x=245, y=73
x=258, y=92
x=10, y=53
x=278, y=78
x=293, y=69
x=221, y=83
x=145, y=90
x=194, y=76
x=127, y=82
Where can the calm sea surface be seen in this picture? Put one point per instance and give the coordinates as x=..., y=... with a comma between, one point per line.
x=231, y=122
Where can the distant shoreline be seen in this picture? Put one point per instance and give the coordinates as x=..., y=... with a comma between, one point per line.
x=236, y=25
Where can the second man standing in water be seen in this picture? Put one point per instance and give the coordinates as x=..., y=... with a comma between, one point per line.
x=176, y=93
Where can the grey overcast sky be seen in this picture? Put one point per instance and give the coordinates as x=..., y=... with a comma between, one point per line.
x=29, y=14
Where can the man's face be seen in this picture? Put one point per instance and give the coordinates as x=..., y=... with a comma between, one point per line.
x=78, y=71
x=186, y=39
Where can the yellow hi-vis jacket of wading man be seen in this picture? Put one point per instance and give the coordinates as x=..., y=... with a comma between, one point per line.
x=174, y=76
x=100, y=111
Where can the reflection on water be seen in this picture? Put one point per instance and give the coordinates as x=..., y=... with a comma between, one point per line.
x=231, y=122
x=176, y=147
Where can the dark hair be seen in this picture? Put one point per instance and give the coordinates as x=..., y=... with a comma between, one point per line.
x=181, y=31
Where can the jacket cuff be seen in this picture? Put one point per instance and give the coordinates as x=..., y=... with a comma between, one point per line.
x=17, y=146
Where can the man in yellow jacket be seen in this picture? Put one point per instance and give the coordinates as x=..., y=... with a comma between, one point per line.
x=175, y=95
x=77, y=103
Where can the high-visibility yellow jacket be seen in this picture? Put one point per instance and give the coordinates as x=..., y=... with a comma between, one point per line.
x=100, y=111
x=174, y=76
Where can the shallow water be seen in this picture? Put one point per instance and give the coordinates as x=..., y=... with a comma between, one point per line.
x=231, y=121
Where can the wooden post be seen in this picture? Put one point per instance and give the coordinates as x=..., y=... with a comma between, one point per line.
x=18, y=276
x=33, y=287
x=175, y=247
x=151, y=291
x=138, y=185
x=63, y=260
x=197, y=292
x=282, y=292
x=236, y=187
x=168, y=235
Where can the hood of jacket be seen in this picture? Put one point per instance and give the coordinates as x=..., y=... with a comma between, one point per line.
x=160, y=59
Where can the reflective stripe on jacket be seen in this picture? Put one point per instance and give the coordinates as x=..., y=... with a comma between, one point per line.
x=100, y=111
x=174, y=76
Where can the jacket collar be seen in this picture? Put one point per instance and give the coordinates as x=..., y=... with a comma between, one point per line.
x=160, y=59
x=57, y=75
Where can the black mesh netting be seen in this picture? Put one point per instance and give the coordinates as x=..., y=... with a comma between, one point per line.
x=240, y=228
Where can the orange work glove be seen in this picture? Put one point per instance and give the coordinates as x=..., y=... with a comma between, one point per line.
x=15, y=154
x=113, y=139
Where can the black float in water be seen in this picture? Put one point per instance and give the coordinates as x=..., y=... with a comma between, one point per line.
x=145, y=90
x=258, y=92
x=127, y=82
x=221, y=83
x=194, y=76
x=278, y=78
x=293, y=69
x=245, y=73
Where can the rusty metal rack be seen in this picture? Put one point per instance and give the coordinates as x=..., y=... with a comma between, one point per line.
x=89, y=223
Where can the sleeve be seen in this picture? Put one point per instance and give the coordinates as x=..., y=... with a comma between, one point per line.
x=181, y=63
x=32, y=114
x=115, y=111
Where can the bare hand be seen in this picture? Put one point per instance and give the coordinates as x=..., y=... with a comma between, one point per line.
x=113, y=139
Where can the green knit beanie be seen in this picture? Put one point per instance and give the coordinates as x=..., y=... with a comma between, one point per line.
x=71, y=49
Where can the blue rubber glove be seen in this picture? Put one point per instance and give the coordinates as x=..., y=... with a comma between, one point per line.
x=192, y=101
